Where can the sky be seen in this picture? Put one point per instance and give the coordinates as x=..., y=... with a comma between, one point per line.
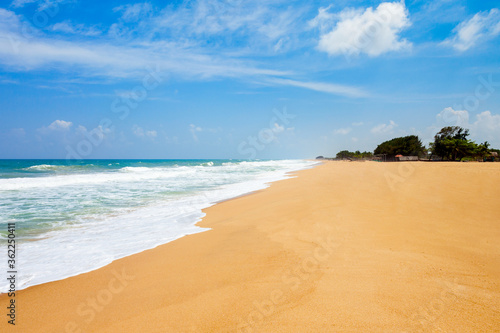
x=242, y=79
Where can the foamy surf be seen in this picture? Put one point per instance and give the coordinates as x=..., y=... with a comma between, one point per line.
x=68, y=224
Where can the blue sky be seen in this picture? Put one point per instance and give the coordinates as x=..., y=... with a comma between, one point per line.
x=242, y=79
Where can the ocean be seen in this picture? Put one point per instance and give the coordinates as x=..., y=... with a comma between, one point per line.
x=72, y=217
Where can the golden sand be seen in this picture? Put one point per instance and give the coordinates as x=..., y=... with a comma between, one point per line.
x=343, y=247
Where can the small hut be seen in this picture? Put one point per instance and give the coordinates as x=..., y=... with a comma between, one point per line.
x=406, y=158
x=491, y=158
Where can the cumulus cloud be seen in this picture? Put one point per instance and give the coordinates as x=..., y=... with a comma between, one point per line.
x=481, y=27
x=151, y=134
x=194, y=129
x=138, y=131
x=57, y=130
x=484, y=126
x=488, y=124
x=96, y=134
x=342, y=131
x=142, y=133
x=60, y=125
x=454, y=117
x=384, y=128
x=370, y=31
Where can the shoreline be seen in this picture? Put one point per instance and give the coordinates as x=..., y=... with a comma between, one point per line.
x=168, y=219
x=337, y=247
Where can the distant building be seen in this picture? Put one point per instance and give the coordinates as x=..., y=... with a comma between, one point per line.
x=491, y=158
x=406, y=158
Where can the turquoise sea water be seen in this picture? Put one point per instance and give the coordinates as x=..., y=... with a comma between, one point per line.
x=76, y=216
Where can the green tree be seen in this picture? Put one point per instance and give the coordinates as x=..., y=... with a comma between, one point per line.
x=344, y=154
x=357, y=154
x=408, y=145
x=482, y=150
x=451, y=143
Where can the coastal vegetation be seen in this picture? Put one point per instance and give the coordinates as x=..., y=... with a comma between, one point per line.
x=451, y=143
x=357, y=154
x=408, y=146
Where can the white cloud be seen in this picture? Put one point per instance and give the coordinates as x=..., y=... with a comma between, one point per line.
x=450, y=117
x=81, y=129
x=481, y=27
x=197, y=129
x=179, y=56
x=282, y=45
x=142, y=133
x=42, y=4
x=138, y=131
x=323, y=19
x=97, y=133
x=194, y=129
x=60, y=125
x=384, y=128
x=256, y=20
x=9, y=22
x=330, y=88
x=21, y=3
x=151, y=134
x=372, y=31
x=358, y=124
x=342, y=131
x=277, y=128
x=486, y=125
x=23, y=52
x=57, y=128
x=134, y=12
x=70, y=28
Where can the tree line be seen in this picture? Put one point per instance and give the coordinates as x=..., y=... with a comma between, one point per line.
x=451, y=143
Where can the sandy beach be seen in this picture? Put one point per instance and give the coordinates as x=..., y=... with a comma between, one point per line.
x=342, y=247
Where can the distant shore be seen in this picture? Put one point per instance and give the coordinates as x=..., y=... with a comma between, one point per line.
x=342, y=247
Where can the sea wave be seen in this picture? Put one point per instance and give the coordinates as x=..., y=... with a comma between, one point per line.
x=132, y=174
x=43, y=167
x=59, y=167
x=106, y=215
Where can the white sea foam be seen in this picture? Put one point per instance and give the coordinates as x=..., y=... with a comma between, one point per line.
x=123, y=175
x=42, y=167
x=97, y=238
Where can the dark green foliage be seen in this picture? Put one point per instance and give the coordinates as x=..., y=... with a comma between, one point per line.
x=352, y=155
x=451, y=144
x=407, y=146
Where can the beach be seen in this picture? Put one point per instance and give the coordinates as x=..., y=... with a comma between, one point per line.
x=341, y=247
